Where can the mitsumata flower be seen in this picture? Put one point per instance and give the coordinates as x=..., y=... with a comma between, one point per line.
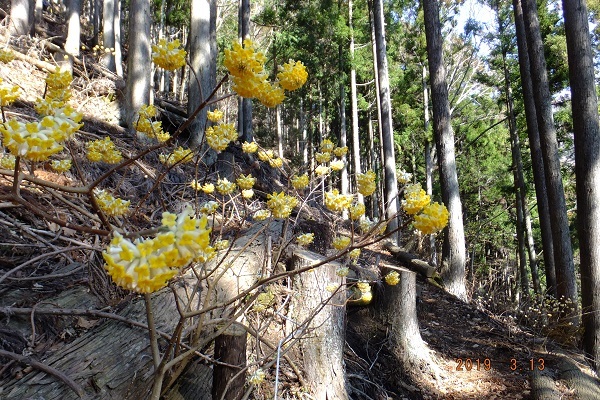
x=327, y=146
x=281, y=205
x=322, y=157
x=146, y=265
x=337, y=165
x=245, y=181
x=299, y=182
x=103, y=150
x=366, y=183
x=261, y=215
x=8, y=161
x=292, y=75
x=61, y=165
x=415, y=199
x=392, y=278
x=305, y=239
x=179, y=155
x=168, y=55
x=111, y=205
x=218, y=137
x=215, y=115
x=433, y=218
x=249, y=147
x=322, y=170
x=8, y=94
x=6, y=55
x=340, y=151
x=357, y=210
x=335, y=201
x=225, y=187
x=276, y=162
x=341, y=242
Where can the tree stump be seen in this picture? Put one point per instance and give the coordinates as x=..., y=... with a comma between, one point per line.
x=323, y=343
x=399, y=307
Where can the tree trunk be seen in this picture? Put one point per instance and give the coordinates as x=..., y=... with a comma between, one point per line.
x=539, y=175
x=137, y=92
x=453, y=251
x=391, y=182
x=73, y=33
x=587, y=167
x=203, y=62
x=245, y=105
x=429, y=157
x=108, y=33
x=563, y=254
x=21, y=17
x=323, y=346
x=354, y=106
x=399, y=309
x=344, y=183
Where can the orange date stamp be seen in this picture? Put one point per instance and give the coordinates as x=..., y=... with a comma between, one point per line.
x=486, y=364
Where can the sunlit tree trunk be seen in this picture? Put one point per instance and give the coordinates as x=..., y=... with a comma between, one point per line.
x=73, y=33
x=587, y=168
x=539, y=175
x=391, y=182
x=21, y=17
x=245, y=105
x=354, y=105
x=563, y=253
x=137, y=92
x=453, y=251
x=429, y=157
x=203, y=62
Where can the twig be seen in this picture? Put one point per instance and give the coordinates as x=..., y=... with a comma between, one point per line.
x=152, y=331
x=41, y=256
x=45, y=368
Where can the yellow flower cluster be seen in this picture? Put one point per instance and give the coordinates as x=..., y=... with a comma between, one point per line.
x=262, y=302
x=111, y=205
x=168, y=55
x=246, y=67
x=415, y=199
x=366, y=225
x=35, y=141
x=335, y=201
x=276, y=162
x=247, y=193
x=6, y=55
x=366, y=183
x=261, y=215
x=305, y=239
x=146, y=265
x=245, y=181
x=327, y=146
x=342, y=271
x=218, y=137
x=208, y=188
x=392, y=278
x=8, y=94
x=292, y=75
x=103, y=150
x=8, y=161
x=58, y=80
x=215, y=115
x=268, y=155
x=179, y=155
x=61, y=165
x=433, y=218
x=145, y=125
x=323, y=157
x=322, y=170
x=225, y=187
x=281, y=205
x=365, y=291
x=249, y=147
x=337, y=165
x=299, y=182
x=354, y=254
x=257, y=377
x=340, y=151
x=341, y=242
x=357, y=210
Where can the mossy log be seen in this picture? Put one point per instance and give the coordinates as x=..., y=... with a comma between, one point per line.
x=543, y=386
x=585, y=386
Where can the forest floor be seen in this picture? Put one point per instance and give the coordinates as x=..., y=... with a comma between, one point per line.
x=481, y=355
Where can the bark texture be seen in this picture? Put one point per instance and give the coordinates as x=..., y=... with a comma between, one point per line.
x=563, y=253
x=391, y=182
x=587, y=168
x=323, y=346
x=453, y=251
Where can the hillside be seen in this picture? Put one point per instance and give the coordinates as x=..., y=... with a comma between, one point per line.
x=55, y=295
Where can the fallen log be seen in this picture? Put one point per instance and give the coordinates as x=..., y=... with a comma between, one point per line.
x=543, y=386
x=410, y=261
x=113, y=360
